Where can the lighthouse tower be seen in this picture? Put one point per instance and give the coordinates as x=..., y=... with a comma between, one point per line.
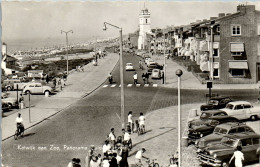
x=144, y=27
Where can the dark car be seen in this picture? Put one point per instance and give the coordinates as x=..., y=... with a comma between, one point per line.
x=220, y=154
x=154, y=66
x=215, y=103
x=206, y=123
x=222, y=130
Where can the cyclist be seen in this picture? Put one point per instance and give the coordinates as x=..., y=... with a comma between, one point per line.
x=139, y=156
x=19, y=124
x=141, y=121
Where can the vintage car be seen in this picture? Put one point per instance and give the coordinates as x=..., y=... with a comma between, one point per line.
x=154, y=66
x=220, y=131
x=156, y=73
x=37, y=88
x=220, y=153
x=206, y=124
x=129, y=67
x=242, y=110
x=8, y=102
x=215, y=103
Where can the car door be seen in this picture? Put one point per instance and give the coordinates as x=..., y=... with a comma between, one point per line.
x=248, y=149
x=239, y=112
x=38, y=88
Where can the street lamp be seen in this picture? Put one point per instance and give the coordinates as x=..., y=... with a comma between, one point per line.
x=67, y=42
x=179, y=74
x=121, y=72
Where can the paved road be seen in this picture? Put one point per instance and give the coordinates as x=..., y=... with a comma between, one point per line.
x=89, y=120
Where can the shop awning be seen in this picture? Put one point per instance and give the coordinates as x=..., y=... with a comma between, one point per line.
x=238, y=65
x=236, y=47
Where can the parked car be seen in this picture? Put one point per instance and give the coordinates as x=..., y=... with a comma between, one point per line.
x=220, y=154
x=129, y=67
x=37, y=88
x=147, y=59
x=215, y=103
x=220, y=131
x=10, y=101
x=156, y=73
x=5, y=107
x=10, y=84
x=150, y=61
x=242, y=110
x=206, y=123
x=154, y=66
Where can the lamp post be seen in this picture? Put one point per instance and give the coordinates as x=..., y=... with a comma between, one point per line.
x=179, y=74
x=121, y=72
x=164, y=55
x=67, y=43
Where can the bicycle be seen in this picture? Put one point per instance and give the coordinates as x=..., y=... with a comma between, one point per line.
x=173, y=160
x=153, y=163
x=18, y=134
x=140, y=130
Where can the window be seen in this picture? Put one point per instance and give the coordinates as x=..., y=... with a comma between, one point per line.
x=248, y=129
x=215, y=72
x=236, y=30
x=216, y=69
x=233, y=131
x=246, y=142
x=255, y=141
x=239, y=107
x=237, y=72
x=215, y=52
x=247, y=106
x=240, y=129
x=236, y=53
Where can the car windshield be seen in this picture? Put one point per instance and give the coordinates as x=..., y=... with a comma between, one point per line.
x=205, y=115
x=220, y=130
x=129, y=64
x=229, y=106
x=229, y=141
x=214, y=102
x=155, y=70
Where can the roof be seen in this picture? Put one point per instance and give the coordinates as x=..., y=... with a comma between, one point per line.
x=244, y=135
x=228, y=125
x=239, y=102
x=218, y=98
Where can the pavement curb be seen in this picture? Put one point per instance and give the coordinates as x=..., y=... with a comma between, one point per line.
x=63, y=108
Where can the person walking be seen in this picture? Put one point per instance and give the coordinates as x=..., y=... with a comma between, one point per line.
x=94, y=162
x=47, y=79
x=54, y=82
x=19, y=123
x=143, y=76
x=162, y=77
x=110, y=78
x=112, y=138
x=89, y=156
x=106, y=148
x=239, y=157
x=113, y=161
x=147, y=77
x=21, y=101
x=140, y=64
x=124, y=155
x=130, y=121
x=135, y=78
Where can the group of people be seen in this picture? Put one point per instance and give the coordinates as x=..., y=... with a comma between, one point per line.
x=115, y=149
x=145, y=77
x=59, y=82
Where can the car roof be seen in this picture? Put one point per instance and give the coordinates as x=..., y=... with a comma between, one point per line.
x=239, y=102
x=243, y=135
x=229, y=125
x=218, y=98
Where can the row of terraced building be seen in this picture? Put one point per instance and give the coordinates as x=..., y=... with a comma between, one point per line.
x=226, y=48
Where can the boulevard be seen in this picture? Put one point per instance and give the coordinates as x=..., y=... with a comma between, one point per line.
x=89, y=120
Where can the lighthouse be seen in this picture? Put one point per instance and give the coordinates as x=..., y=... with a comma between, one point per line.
x=144, y=27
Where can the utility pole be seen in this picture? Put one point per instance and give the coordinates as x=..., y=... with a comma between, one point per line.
x=67, y=43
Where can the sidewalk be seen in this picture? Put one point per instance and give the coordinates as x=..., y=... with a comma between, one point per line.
x=189, y=81
x=78, y=85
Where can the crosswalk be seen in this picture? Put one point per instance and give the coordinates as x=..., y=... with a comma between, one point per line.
x=131, y=85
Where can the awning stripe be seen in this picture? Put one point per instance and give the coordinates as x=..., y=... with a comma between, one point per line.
x=237, y=47
x=238, y=65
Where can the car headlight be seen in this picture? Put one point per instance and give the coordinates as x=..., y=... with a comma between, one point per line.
x=215, y=156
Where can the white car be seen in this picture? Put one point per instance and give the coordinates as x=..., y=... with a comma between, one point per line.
x=156, y=73
x=129, y=67
x=147, y=59
x=242, y=110
x=37, y=88
x=150, y=61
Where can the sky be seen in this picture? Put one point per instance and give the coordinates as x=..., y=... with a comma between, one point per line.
x=46, y=19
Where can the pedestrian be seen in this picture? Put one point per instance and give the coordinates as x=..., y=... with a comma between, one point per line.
x=135, y=78
x=139, y=156
x=130, y=121
x=239, y=157
x=112, y=138
x=54, y=82
x=21, y=101
x=140, y=64
x=126, y=137
x=136, y=125
x=143, y=76
x=94, y=162
x=118, y=157
x=106, y=148
x=47, y=78
x=110, y=78
x=141, y=121
x=147, y=77
x=105, y=162
x=99, y=160
x=19, y=123
x=113, y=161
x=162, y=77
x=72, y=162
x=89, y=156
x=124, y=155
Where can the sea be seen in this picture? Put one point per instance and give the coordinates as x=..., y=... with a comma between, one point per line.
x=14, y=45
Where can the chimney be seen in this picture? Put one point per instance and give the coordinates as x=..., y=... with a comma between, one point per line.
x=221, y=14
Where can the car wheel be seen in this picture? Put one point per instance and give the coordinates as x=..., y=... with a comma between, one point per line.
x=253, y=117
x=225, y=164
x=9, y=88
x=27, y=92
x=46, y=92
x=10, y=106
